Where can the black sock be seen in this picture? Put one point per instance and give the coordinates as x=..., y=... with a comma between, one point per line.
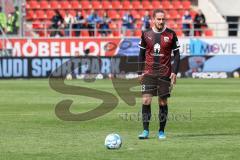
x=146, y=116
x=163, y=112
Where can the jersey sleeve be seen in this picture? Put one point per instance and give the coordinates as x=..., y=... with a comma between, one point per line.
x=175, y=42
x=142, y=44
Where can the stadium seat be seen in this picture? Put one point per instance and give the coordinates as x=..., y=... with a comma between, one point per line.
x=177, y=4
x=40, y=14
x=138, y=33
x=121, y=13
x=174, y=14
x=136, y=4
x=116, y=33
x=62, y=12
x=113, y=25
x=32, y=5
x=54, y=5
x=37, y=24
x=50, y=14
x=30, y=14
x=193, y=13
x=65, y=5
x=135, y=14
x=84, y=33
x=167, y=5
x=96, y=4
x=86, y=4
x=179, y=33
x=186, y=4
x=156, y=4
x=75, y=4
x=116, y=4
x=126, y=4
x=106, y=4
x=113, y=14
x=129, y=33
x=44, y=4
x=146, y=5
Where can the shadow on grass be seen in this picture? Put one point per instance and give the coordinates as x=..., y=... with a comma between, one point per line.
x=207, y=135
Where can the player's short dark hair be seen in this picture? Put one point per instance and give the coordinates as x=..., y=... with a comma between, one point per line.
x=157, y=11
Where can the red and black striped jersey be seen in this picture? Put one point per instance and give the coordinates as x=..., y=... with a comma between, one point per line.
x=158, y=48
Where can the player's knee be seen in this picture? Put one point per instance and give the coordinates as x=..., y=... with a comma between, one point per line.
x=146, y=100
x=162, y=102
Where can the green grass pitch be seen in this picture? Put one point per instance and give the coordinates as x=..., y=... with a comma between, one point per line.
x=204, y=123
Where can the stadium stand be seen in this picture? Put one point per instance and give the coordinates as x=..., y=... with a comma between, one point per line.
x=43, y=10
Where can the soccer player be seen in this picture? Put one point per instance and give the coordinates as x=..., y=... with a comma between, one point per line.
x=156, y=47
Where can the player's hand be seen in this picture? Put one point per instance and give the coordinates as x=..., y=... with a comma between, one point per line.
x=173, y=78
x=140, y=77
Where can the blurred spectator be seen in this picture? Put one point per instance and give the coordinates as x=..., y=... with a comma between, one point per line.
x=186, y=23
x=78, y=23
x=16, y=20
x=93, y=19
x=68, y=21
x=127, y=22
x=57, y=21
x=104, y=26
x=10, y=25
x=199, y=22
x=3, y=21
x=146, y=21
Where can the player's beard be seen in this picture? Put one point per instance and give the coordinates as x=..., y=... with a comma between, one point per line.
x=159, y=27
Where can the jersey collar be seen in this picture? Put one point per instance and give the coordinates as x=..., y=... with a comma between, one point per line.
x=164, y=28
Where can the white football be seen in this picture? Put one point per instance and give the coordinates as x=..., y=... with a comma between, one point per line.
x=69, y=77
x=113, y=141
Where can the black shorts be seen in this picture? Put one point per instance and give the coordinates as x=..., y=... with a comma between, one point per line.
x=156, y=86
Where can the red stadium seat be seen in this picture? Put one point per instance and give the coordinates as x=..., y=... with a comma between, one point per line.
x=179, y=33
x=177, y=4
x=156, y=4
x=33, y=4
x=101, y=12
x=146, y=4
x=113, y=25
x=116, y=33
x=44, y=4
x=96, y=4
x=86, y=4
x=135, y=14
x=116, y=4
x=138, y=33
x=72, y=12
x=30, y=14
x=84, y=33
x=129, y=33
x=37, y=24
x=186, y=4
x=54, y=5
x=167, y=5
x=126, y=4
x=174, y=14
x=138, y=24
x=106, y=4
x=121, y=13
x=75, y=4
x=113, y=14
x=136, y=4
x=40, y=14
x=50, y=14
x=62, y=12
x=65, y=4
x=193, y=13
